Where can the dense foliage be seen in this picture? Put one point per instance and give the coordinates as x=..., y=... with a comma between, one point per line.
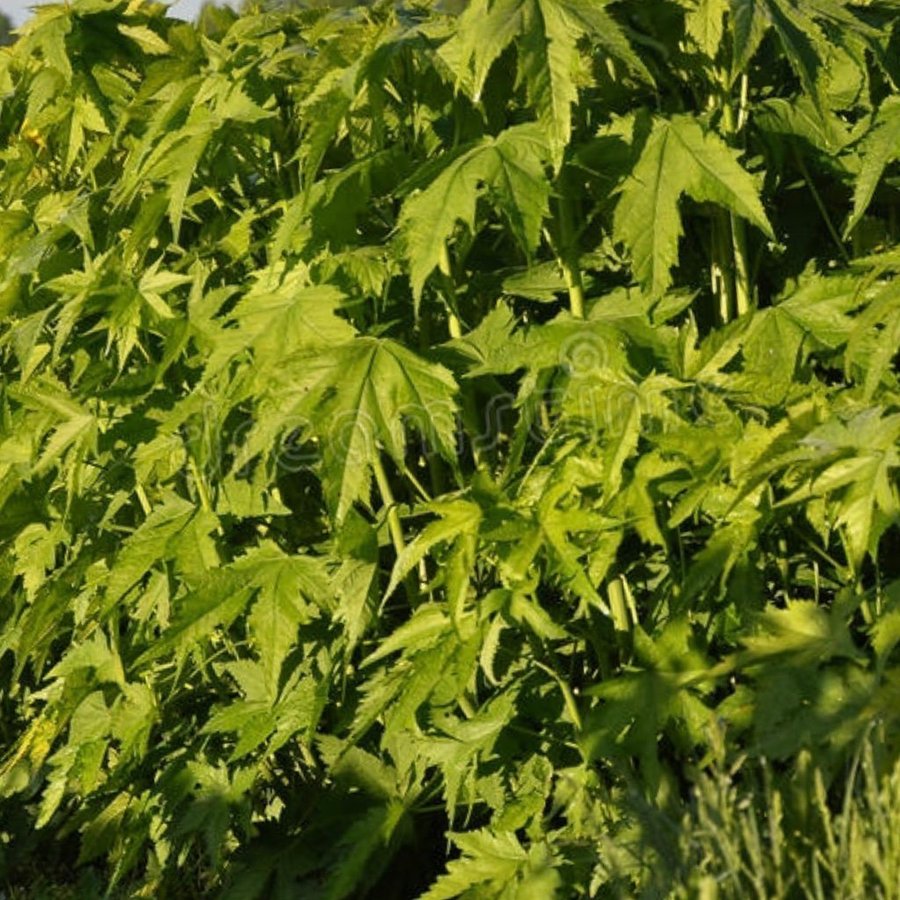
x=437, y=443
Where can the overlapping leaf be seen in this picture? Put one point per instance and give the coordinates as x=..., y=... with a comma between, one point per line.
x=509, y=168
x=678, y=158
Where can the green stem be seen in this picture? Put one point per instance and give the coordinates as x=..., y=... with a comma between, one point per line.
x=142, y=499
x=568, y=254
x=618, y=605
x=420, y=488
x=574, y=286
x=723, y=261
x=470, y=413
x=436, y=475
x=568, y=696
x=454, y=326
x=741, y=294
x=387, y=496
x=742, y=109
x=446, y=270
x=393, y=521
x=394, y=526
x=200, y=485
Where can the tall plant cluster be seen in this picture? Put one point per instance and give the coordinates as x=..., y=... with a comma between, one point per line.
x=432, y=436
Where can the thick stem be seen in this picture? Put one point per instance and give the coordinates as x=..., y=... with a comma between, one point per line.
x=618, y=605
x=142, y=499
x=568, y=697
x=199, y=485
x=743, y=293
x=568, y=253
x=742, y=109
x=393, y=521
x=574, y=286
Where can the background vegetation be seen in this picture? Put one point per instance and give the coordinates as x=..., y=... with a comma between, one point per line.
x=451, y=452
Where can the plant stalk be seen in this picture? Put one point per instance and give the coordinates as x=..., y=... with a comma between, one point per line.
x=568, y=252
x=618, y=605
x=568, y=697
x=743, y=295
x=387, y=496
x=454, y=326
x=574, y=286
x=723, y=267
x=142, y=499
x=741, y=291
x=446, y=270
x=199, y=485
x=393, y=521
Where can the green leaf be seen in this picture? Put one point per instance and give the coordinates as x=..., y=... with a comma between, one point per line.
x=282, y=314
x=361, y=847
x=857, y=459
x=496, y=865
x=821, y=129
x=802, y=632
x=358, y=397
x=458, y=518
x=678, y=158
x=428, y=623
x=704, y=24
x=638, y=705
x=147, y=39
x=154, y=540
x=283, y=583
x=873, y=342
x=217, y=602
x=776, y=341
x=546, y=34
x=508, y=168
x=796, y=30
x=878, y=148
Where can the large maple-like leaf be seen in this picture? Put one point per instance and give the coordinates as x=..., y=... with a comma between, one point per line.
x=816, y=315
x=510, y=167
x=495, y=865
x=357, y=397
x=282, y=586
x=284, y=583
x=751, y=20
x=678, y=158
x=667, y=683
x=281, y=314
x=856, y=461
x=797, y=26
x=547, y=34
